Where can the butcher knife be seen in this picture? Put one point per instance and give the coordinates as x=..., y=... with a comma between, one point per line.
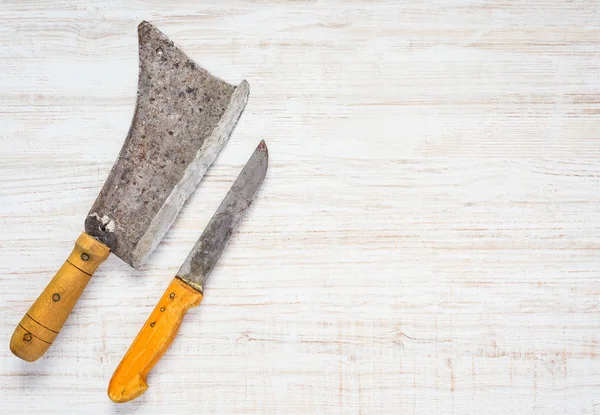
x=186, y=289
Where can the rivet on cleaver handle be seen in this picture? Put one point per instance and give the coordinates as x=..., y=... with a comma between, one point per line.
x=185, y=291
x=183, y=118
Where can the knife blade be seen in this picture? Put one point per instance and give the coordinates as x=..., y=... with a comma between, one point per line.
x=183, y=118
x=186, y=289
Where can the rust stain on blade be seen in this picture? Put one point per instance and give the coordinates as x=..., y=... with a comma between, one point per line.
x=183, y=118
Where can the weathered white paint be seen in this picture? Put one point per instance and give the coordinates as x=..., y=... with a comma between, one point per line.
x=426, y=240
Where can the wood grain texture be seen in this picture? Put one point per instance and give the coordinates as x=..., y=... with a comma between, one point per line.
x=426, y=239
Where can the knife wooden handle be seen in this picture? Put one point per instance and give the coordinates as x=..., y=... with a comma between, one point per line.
x=40, y=325
x=129, y=380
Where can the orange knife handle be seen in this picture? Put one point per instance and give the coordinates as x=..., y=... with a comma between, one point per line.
x=129, y=380
x=42, y=323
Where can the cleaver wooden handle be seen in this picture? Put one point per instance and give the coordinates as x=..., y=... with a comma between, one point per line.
x=129, y=380
x=42, y=323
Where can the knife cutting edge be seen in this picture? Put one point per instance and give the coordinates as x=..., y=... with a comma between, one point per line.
x=186, y=289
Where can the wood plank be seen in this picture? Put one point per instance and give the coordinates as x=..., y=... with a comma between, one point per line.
x=426, y=240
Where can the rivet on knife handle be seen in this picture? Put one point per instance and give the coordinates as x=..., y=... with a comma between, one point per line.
x=42, y=323
x=153, y=340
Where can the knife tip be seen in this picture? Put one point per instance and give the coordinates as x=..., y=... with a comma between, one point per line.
x=262, y=147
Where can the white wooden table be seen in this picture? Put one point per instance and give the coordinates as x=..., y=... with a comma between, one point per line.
x=426, y=241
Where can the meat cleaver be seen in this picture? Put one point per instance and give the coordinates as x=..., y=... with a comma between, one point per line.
x=183, y=118
x=186, y=289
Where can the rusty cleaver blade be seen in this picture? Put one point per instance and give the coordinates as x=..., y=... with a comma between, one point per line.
x=183, y=118
x=186, y=289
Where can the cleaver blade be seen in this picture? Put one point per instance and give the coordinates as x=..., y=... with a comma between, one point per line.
x=183, y=118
